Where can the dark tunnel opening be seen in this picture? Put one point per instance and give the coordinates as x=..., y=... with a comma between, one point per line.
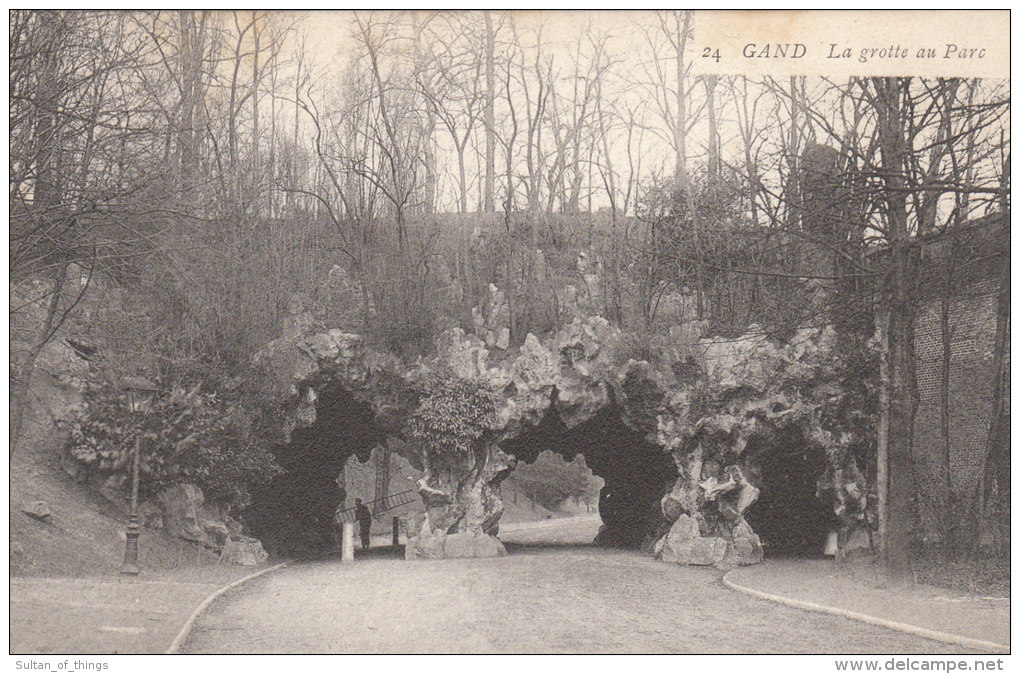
x=789, y=518
x=293, y=513
x=636, y=473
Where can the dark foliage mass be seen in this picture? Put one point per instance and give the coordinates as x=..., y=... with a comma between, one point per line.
x=451, y=418
x=195, y=437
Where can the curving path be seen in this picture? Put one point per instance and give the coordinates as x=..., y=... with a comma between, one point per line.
x=537, y=600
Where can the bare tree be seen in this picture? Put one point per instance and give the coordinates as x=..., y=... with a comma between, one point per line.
x=667, y=73
x=488, y=201
x=60, y=65
x=454, y=92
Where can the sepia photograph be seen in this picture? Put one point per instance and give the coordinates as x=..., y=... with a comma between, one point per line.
x=407, y=332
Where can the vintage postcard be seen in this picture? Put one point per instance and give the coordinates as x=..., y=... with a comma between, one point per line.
x=510, y=332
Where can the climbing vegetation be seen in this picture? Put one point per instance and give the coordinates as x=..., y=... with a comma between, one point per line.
x=194, y=437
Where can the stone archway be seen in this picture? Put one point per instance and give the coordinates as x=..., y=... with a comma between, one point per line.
x=294, y=512
x=577, y=389
x=636, y=473
x=790, y=518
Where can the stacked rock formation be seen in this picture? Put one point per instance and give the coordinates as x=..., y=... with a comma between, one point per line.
x=715, y=413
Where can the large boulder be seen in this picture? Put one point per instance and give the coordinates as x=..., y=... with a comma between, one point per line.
x=112, y=490
x=39, y=510
x=685, y=545
x=182, y=505
x=187, y=515
x=684, y=529
x=745, y=547
x=427, y=544
x=245, y=551
x=150, y=514
x=703, y=551
x=465, y=544
x=216, y=534
x=473, y=544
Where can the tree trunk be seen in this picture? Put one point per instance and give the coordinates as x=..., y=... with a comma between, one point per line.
x=192, y=53
x=902, y=307
x=28, y=365
x=232, y=111
x=680, y=130
x=714, y=162
x=901, y=416
x=997, y=455
x=431, y=181
x=882, y=441
x=489, y=203
x=793, y=193
x=255, y=168
x=462, y=175
x=508, y=205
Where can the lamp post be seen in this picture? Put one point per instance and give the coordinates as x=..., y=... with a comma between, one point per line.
x=141, y=392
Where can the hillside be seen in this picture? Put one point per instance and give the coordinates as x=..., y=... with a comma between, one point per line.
x=84, y=534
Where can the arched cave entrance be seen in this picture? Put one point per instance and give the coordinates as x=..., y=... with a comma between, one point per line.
x=788, y=516
x=294, y=513
x=636, y=473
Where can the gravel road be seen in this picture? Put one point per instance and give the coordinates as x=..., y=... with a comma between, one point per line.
x=553, y=599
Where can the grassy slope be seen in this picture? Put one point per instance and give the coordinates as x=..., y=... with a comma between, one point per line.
x=84, y=534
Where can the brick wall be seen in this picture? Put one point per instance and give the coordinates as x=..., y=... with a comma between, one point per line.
x=972, y=315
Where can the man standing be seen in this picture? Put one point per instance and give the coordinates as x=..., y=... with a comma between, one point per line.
x=364, y=518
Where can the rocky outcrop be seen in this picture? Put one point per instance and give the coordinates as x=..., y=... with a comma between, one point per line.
x=714, y=406
x=437, y=544
x=685, y=544
x=462, y=507
x=187, y=515
x=181, y=512
x=150, y=515
x=493, y=325
x=575, y=374
x=243, y=550
x=763, y=396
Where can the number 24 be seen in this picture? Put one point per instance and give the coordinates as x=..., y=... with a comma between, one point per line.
x=709, y=54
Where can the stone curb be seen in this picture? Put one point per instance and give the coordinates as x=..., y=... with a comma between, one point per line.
x=175, y=647
x=944, y=637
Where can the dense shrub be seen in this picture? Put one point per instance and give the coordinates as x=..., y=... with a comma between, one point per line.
x=193, y=437
x=451, y=417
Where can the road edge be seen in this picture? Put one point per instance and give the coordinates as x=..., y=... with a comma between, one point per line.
x=178, y=641
x=944, y=637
